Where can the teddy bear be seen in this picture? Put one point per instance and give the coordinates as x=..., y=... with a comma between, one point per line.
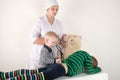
x=73, y=44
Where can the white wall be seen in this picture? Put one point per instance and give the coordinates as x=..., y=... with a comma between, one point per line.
x=97, y=21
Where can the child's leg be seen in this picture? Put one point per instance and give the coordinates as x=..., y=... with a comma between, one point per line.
x=38, y=76
x=52, y=72
x=15, y=73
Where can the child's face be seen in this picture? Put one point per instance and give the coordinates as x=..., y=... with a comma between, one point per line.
x=51, y=42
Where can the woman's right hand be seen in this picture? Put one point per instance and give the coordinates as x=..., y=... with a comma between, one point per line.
x=39, y=41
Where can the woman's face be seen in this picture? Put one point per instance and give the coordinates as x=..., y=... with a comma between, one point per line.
x=52, y=11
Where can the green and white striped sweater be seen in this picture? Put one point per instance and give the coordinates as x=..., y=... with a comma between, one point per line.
x=80, y=62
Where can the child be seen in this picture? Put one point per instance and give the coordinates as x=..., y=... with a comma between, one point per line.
x=48, y=55
x=75, y=64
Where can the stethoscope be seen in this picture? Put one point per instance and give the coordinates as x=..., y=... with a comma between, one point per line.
x=59, y=49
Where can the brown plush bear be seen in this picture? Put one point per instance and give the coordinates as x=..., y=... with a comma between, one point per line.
x=73, y=44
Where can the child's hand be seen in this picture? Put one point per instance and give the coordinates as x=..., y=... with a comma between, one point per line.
x=58, y=61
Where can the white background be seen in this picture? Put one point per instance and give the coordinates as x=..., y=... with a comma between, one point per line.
x=97, y=21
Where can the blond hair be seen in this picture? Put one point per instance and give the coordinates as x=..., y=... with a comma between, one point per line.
x=51, y=34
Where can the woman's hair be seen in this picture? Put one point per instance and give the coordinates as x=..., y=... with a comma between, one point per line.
x=94, y=61
x=50, y=34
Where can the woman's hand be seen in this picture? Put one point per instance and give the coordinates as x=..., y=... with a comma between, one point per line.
x=63, y=40
x=39, y=41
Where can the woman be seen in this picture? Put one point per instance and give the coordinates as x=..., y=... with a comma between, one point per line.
x=75, y=64
x=44, y=24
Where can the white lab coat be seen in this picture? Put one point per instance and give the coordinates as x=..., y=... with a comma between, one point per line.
x=40, y=29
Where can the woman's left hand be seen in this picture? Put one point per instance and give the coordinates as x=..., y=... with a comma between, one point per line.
x=63, y=40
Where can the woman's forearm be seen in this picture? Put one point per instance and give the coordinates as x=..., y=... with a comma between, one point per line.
x=39, y=41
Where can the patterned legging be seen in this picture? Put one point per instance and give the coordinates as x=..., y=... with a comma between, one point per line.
x=53, y=71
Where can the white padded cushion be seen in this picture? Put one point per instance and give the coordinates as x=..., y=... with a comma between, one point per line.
x=83, y=76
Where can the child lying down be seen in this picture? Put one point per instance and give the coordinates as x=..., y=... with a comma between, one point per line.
x=75, y=64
